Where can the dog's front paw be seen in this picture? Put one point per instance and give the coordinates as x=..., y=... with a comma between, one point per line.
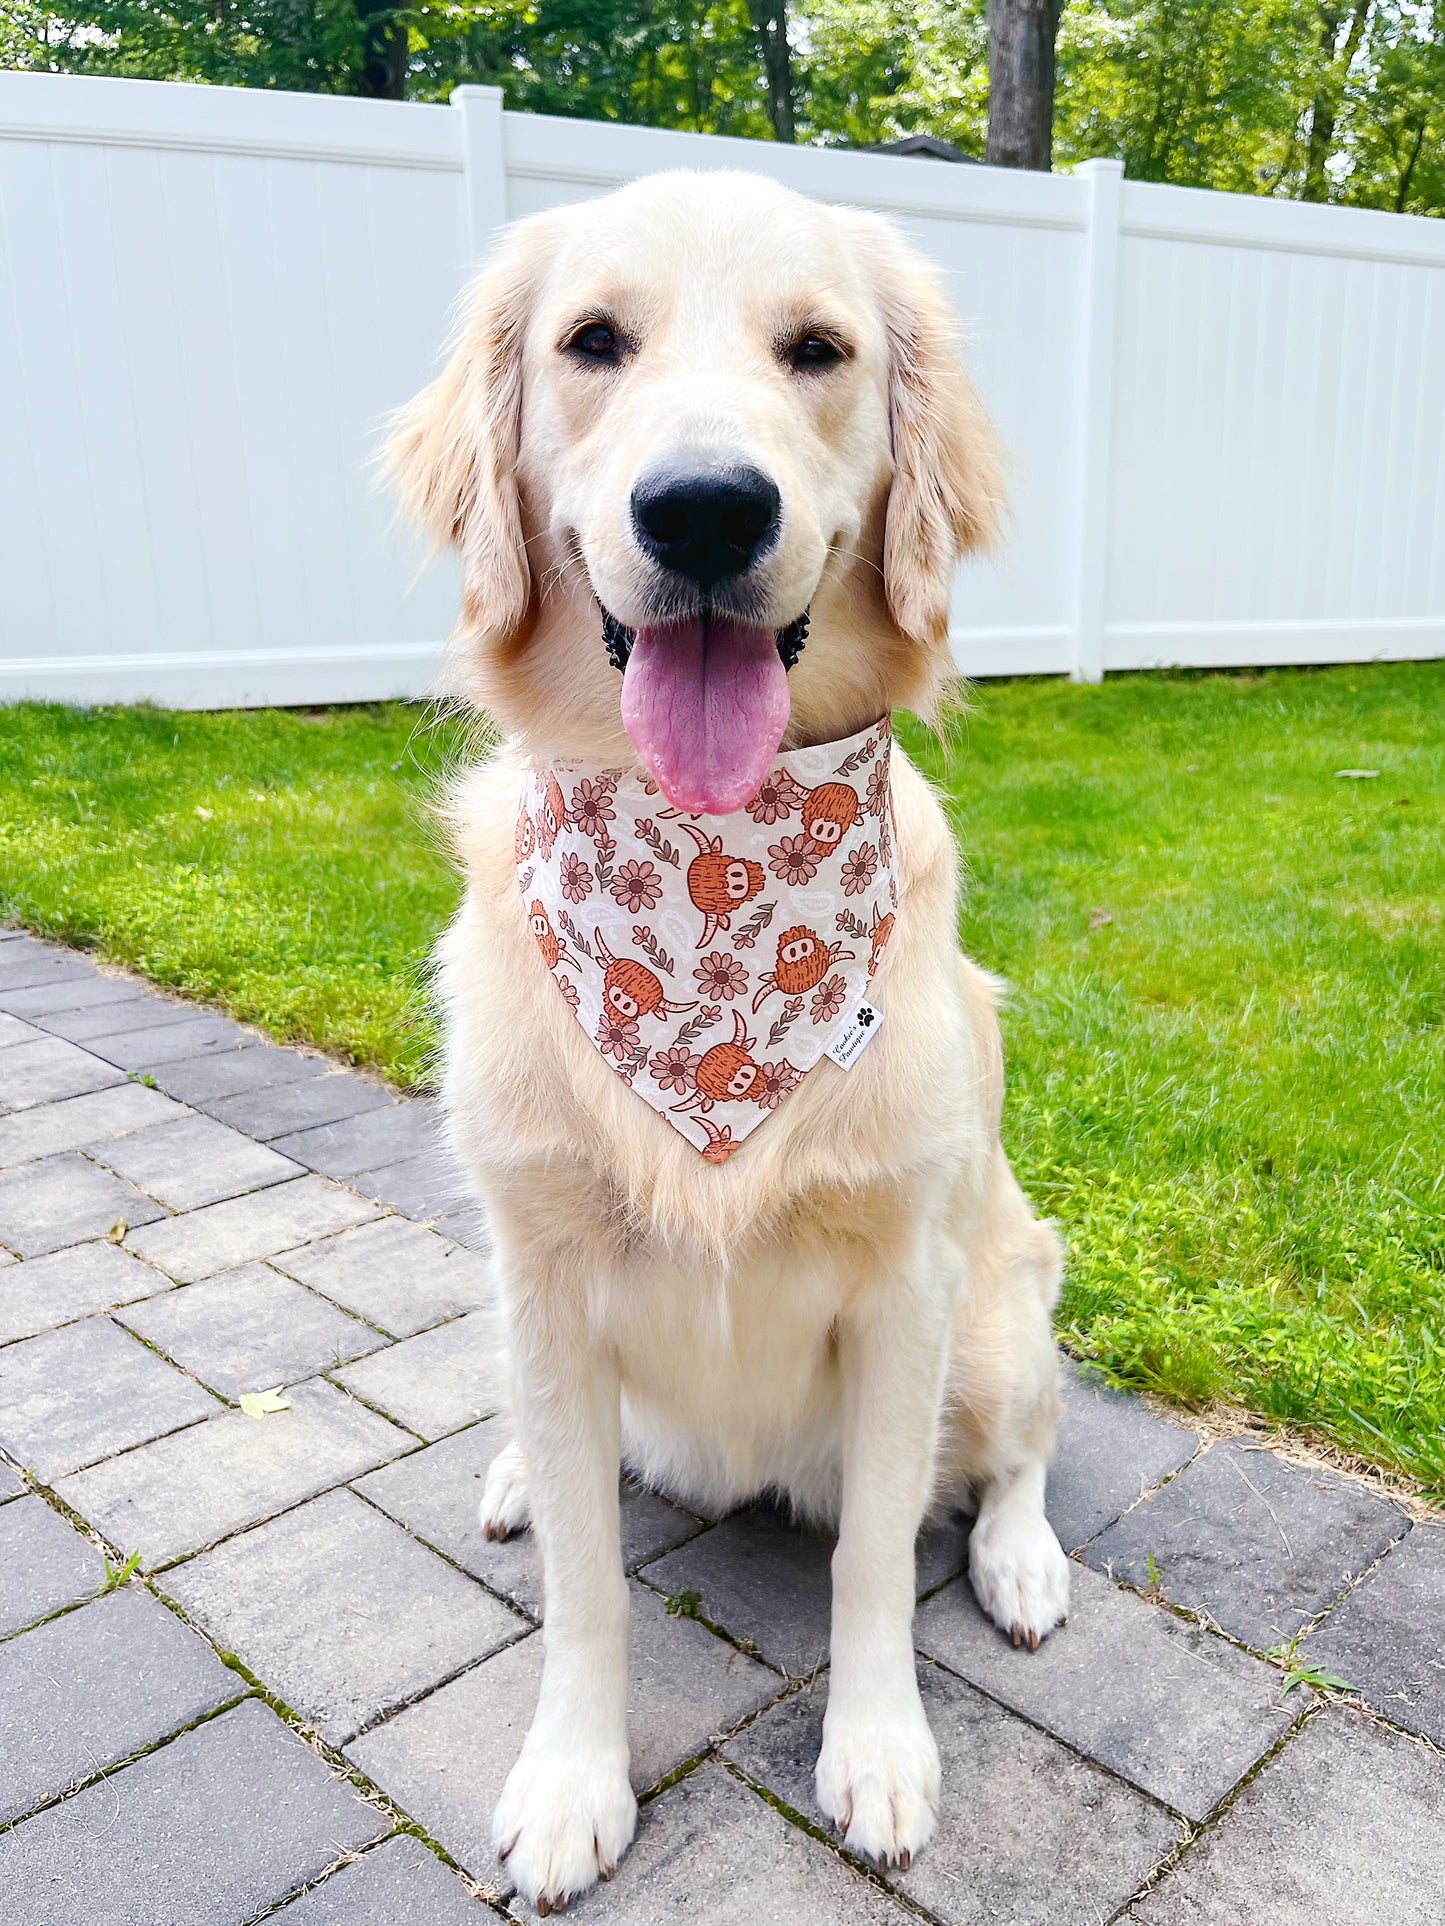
x=505, y=1507
x=878, y=1781
x=566, y=1816
x=1020, y=1575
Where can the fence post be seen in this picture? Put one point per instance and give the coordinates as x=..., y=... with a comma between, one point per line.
x=484, y=165
x=1103, y=183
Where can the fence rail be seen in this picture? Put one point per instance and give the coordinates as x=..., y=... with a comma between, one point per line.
x=1226, y=415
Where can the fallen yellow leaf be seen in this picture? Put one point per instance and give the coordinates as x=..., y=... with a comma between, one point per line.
x=261, y=1404
x=117, y=1231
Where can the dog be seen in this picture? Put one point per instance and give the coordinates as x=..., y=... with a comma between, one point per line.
x=679, y=423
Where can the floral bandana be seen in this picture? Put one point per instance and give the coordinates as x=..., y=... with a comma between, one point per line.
x=714, y=959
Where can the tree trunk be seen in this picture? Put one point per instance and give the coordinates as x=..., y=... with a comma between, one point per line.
x=1021, y=39
x=384, y=48
x=770, y=24
x=1325, y=111
x=1407, y=175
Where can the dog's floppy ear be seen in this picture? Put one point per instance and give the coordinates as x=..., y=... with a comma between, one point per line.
x=453, y=450
x=946, y=496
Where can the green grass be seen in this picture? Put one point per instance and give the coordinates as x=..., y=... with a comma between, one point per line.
x=283, y=863
x=1231, y=1092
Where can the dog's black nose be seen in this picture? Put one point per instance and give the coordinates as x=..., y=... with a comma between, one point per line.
x=706, y=525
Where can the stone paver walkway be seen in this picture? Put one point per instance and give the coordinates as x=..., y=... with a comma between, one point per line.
x=303, y=1695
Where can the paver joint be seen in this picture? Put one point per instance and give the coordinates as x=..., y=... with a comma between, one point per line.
x=189, y=1214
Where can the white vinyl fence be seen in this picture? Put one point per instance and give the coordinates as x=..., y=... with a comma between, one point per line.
x=1227, y=415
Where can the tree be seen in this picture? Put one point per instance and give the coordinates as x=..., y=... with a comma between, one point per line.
x=1389, y=142
x=1339, y=100
x=1337, y=56
x=1021, y=40
x=691, y=64
x=1195, y=92
x=770, y=24
x=385, y=46
x=878, y=69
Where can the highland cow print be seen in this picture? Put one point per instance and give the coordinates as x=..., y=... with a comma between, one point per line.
x=668, y=935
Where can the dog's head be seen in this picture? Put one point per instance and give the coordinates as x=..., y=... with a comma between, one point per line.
x=678, y=421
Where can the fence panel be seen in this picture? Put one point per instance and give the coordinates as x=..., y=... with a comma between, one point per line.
x=1226, y=416
x=1284, y=381
x=216, y=295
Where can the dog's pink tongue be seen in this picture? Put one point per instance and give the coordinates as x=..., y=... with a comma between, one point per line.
x=706, y=704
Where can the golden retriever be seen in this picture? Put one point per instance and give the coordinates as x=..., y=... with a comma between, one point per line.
x=854, y=1311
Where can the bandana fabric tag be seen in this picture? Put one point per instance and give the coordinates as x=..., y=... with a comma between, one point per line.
x=711, y=959
x=855, y=1036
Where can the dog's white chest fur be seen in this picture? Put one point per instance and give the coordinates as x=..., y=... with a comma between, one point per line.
x=730, y=1380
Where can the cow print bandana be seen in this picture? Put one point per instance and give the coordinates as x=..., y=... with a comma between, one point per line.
x=713, y=960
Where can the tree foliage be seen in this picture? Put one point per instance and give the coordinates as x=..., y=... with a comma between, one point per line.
x=1341, y=100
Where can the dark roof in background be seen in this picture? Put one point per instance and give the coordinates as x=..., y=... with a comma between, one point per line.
x=926, y=147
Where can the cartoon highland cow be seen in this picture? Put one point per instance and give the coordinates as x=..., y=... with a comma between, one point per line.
x=804, y=959
x=829, y=812
x=552, y=816
x=630, y=990
x=727, y=1073
x=880, y=933
x=721, y=1143
x=718, y=883
x=548, y=942
x=526, y=840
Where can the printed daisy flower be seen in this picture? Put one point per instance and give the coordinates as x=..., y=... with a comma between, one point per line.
x=877, y=793
x=721, y=976
x=828, y=999
x=675, y=1069
x=638, y=886
x=616, y=1036
x=859, y=869
x=592, y=809
x=795, y=859
x=576, y=878
x=569, y=993
x=774, y=1082
x=777, y=799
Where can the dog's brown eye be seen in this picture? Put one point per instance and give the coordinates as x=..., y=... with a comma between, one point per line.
x=596, y=342
x=810, y=351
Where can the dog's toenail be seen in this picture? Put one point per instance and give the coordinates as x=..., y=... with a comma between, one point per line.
x=544, y=1907
x=905, y=1860
x=1017, y=1636
x=1033, y=1641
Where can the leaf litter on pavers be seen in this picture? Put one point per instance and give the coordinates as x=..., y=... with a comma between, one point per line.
x=264, y=1404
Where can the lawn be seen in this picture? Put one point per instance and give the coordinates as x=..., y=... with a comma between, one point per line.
x=282, y=863
x=1226, y=1039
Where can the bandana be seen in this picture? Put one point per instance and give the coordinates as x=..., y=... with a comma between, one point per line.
x=713, y=960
